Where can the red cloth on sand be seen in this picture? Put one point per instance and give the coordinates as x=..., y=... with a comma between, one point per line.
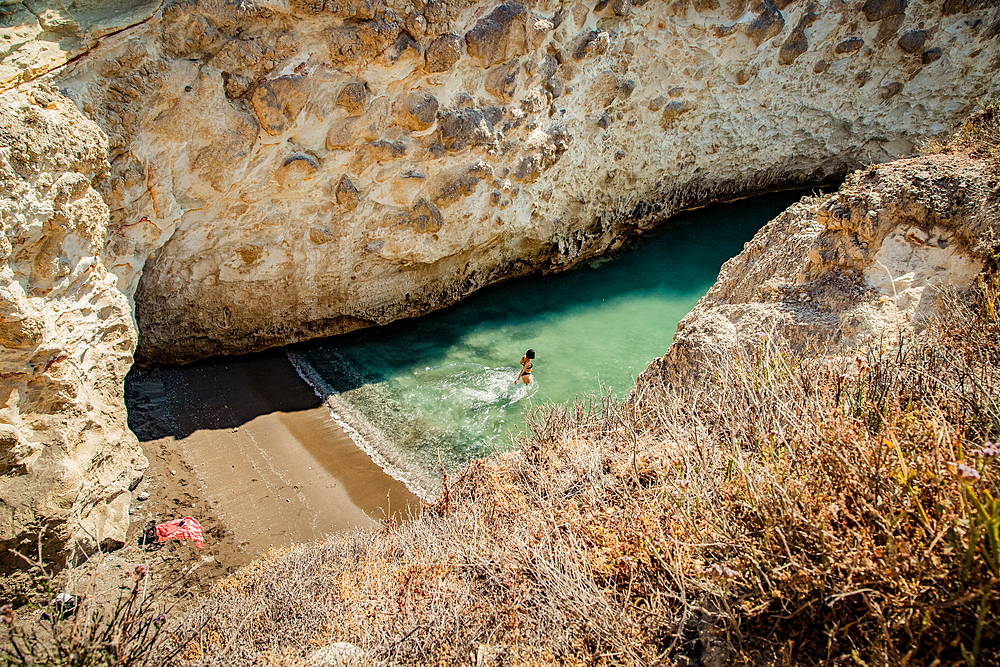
x=181, y=529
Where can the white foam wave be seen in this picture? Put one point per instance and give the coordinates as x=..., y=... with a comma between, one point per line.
x=364, y=434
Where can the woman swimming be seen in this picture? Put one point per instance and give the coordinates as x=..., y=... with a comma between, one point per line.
x=526, y=367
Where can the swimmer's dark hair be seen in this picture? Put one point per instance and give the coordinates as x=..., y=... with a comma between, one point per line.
x=530, y=354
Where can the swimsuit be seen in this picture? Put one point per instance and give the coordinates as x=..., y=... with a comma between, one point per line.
x=527, y=369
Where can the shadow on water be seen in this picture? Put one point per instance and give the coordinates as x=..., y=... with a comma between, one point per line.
x=680, y=258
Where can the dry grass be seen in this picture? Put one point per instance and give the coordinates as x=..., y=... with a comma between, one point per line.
x=979, y=135
x=799, y=510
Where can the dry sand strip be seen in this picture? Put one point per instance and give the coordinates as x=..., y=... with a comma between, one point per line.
x=259, y=451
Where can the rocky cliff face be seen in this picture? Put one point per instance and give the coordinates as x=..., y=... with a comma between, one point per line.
x=281, y=169
x=286, y=170
x=869, y=262
x=67, y=458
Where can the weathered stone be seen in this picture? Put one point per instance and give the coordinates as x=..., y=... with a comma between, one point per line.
x=404, y=49
x=674, y=110
x=876, y=10
x=593, y=43
x=66, y=454
x=506, y=32
x=464, y=127
x=849, y=46
x=295, y=168
x=347, y=195
x=277, y=102
x=364, y=40
x=913, y=41
x=891, y=89
x=863, y=266
x=821, y=66
x=377, y=152
x=555, y=85
x=320, y=236
x=964, y=6
x=796, y=44
x=416, y=111
x=792, y=48
x=443, y=53
x=621, y=7
x=243, y=62
x=548, y=67
x=603, y=89
x=887, y=28
x=425, y=217
x=463, y=184
x=501, y=81
x=769, y=23
x=416, y=24
x=930, y=55
x=344, y=133
x=354, y=98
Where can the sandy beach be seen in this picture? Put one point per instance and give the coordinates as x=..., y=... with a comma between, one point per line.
x=244, y=445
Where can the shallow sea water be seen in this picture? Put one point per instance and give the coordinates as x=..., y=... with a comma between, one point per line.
x=440, y=387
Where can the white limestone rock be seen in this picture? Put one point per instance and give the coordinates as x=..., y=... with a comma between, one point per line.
x=66, y=336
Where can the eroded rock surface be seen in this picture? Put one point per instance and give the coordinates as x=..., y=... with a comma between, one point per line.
x=282, y=171
x=278, y=170
x=38, y=36
x=67, y=458
x=866, y=263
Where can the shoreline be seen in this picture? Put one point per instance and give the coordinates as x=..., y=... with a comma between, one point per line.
x=245, y=439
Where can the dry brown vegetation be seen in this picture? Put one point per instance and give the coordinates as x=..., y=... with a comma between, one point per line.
x=794, y=508
x=799, y=509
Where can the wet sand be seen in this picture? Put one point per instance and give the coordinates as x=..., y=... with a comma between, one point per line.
x=246, y=444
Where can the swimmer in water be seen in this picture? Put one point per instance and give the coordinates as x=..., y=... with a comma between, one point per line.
x=525, y=373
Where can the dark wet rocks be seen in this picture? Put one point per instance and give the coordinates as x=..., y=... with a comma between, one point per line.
x=930, y=55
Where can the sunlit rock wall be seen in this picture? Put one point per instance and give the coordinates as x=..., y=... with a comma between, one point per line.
x=67, y=458
x=871, y=262
x=282, y=170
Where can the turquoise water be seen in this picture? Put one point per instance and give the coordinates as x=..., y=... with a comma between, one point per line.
x=441, y=386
